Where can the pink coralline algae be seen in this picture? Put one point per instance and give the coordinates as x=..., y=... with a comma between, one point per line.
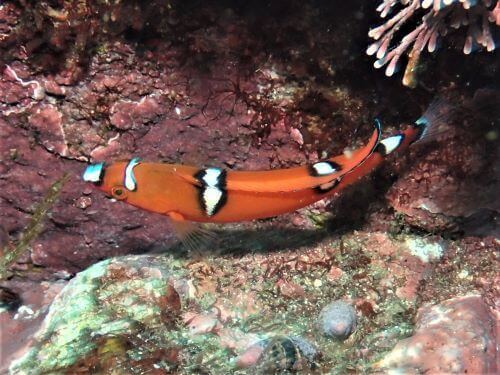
x=47, y=121
x=456, y=336
x=438, y=18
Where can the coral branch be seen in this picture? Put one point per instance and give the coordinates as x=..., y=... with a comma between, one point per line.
x=438, y=16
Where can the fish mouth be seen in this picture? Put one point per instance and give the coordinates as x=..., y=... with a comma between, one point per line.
x=94, y=173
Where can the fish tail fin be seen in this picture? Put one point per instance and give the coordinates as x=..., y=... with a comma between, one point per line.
x=442, y=112
x=374, y=143
x=435, y=120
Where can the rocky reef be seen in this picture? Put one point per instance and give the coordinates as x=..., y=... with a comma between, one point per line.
x=457, y=336
x=263, y=313
x=409, y=251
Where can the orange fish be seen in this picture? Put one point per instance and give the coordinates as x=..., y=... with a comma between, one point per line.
x=189, y=194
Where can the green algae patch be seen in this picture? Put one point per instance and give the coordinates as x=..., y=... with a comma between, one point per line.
x=108, y=300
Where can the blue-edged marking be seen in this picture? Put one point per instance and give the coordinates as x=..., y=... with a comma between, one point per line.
x=94, y=173
x=130, y=182
x=422, y=125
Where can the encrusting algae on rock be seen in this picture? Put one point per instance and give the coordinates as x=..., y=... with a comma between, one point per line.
x=217, y=316
x=437, y=346
x=102, y=314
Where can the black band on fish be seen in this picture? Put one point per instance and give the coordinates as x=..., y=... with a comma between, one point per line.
x=129, y=181
x=324, y=168
x=389, y=145
x=94, y=173
x=325, y=188
x=213, y=193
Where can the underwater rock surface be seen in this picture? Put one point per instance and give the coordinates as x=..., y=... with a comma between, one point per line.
x=213, y=315
x=22, y=318
x=100, y=312
x=239, y=85
x=456, y=336
x=186, y=86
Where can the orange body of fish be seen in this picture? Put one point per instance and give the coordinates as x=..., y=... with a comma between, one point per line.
x=190, y=194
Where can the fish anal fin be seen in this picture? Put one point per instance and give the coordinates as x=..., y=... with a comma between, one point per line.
x=194, y=236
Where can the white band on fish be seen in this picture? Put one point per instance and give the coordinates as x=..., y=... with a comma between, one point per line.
x=130, y=182
x=324, y=168
x=213, y=193
x=392, y=143
x=211, y=177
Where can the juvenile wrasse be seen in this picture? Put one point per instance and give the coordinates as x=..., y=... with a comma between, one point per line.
x=213, y=195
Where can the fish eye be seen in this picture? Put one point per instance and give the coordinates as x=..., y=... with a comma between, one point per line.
x=118, y=192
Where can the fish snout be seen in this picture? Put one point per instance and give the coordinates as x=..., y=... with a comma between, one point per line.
x=94, y=173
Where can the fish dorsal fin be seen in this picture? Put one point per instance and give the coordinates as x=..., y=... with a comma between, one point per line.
x=290, y=179
x=305, y=177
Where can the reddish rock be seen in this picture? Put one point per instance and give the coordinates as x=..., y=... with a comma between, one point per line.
x=126, y=115
x=382, y=244
x=11, y=93
x=51, y=87
x=407, y=260
x=202, y=323
x=413, y=271
x=19, y=325
x=290, y=289
x=334, y=273
x=47, y=121
x=456, y=336
x=448, y=182
x=251, y=355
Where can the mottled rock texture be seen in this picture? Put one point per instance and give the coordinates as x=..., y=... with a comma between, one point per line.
x=217, y=313
x=20, y=321
x=200, y=77
x=98, y=310
x=457, y=336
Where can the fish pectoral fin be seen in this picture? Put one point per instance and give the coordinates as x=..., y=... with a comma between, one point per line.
x=194, y=236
